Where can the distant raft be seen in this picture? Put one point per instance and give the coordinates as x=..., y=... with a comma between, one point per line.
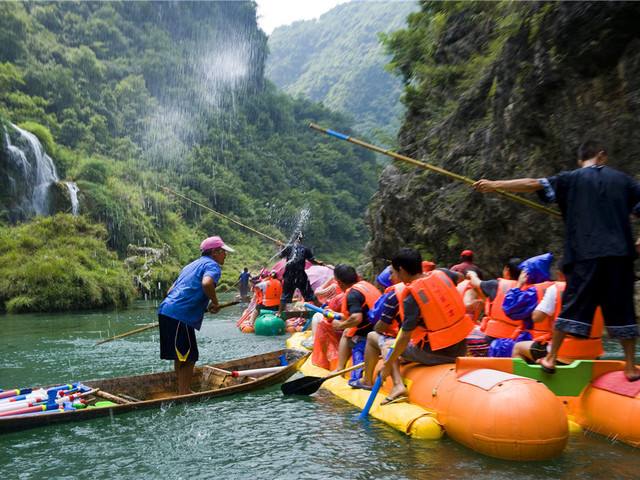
x=496, y=413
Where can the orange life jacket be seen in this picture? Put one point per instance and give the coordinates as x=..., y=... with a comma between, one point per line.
x=496, y=323
x=572, y=347
x=272, y=293
x=399, y=288
x=371, y=294
x=445, y=321
x=258, y=294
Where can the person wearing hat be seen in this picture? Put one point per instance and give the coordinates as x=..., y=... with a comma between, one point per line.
x=182, y=310
x=466, y=264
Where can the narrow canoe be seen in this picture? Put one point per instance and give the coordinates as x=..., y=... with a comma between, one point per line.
x=151, y=390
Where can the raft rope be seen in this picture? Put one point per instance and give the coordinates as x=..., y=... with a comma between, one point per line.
x=274, y=240
x=433, y=168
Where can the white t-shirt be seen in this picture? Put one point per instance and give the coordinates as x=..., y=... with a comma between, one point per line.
x=548, y=303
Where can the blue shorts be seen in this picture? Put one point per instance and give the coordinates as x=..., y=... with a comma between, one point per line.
x=177, y=340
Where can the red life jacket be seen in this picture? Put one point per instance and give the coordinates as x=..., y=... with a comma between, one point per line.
x=272, y=293
x=443, y=314
x=371, y=294
x=496, y=323
x=572, y=348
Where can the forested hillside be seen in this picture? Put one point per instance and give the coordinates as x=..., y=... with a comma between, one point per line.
x=339, y=60
x=503, y=90
x=130, y=97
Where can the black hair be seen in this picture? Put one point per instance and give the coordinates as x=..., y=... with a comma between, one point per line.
x=345, y=273
x=512, y=266
x=466, y=258
x=409, y=259
x=590, y=149
x=246, y=269
x=206, y=253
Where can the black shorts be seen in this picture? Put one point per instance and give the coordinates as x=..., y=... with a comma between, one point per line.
x=538, y=350
x=177, y=340
x=607, y=282
x=300, y=281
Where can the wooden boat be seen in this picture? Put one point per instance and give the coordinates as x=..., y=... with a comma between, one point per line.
x=151, y=390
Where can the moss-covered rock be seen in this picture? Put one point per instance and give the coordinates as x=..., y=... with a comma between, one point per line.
x=60, y=263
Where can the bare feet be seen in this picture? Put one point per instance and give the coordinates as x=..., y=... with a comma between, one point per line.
x=398, y=394
x=632, y=374
x=547, y=365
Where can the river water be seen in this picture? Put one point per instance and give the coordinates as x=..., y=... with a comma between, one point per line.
x=260, y=435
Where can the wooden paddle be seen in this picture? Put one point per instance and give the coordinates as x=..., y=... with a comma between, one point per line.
x=153, y=325
x=309, y=385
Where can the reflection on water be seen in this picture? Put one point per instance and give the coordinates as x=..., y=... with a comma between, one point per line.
x=251, y=436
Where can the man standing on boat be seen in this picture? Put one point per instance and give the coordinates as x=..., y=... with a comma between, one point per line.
x=596, y=202
x=182, y=311
x=294, y=272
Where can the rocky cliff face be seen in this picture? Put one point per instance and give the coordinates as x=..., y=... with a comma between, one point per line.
x=503, y=90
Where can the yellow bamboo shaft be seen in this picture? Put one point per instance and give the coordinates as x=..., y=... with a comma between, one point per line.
x=433, y=168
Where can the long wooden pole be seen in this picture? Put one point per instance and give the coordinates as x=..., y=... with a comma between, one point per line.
x=247, y=227
x=150, y=326
x=433, y=168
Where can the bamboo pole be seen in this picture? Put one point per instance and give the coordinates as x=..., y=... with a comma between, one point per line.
x=151, y=325
x=432, y=168
x=251, y=229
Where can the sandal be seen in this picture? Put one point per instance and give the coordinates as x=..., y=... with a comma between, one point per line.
x=389, y=400
x=358, y=384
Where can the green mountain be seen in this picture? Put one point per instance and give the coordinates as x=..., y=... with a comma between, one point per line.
x=130, y=97
x=338, y=60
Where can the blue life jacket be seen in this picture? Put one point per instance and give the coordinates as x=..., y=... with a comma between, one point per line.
x=374, y=314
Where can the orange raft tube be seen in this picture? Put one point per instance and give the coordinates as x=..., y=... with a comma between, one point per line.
x=595, y=393
x=493, y=412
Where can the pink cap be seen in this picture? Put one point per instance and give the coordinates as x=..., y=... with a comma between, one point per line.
x=212, y=243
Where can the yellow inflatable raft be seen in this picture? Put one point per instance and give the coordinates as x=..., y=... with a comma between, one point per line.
x=494, y=412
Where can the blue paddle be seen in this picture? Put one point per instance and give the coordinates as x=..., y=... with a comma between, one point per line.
x=376, y=386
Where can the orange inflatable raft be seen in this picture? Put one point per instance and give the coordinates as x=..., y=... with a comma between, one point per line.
x=595, y=393
x=494, y=412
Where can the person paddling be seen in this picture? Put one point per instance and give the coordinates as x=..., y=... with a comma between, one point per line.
x=182, y=311
x=596, y=202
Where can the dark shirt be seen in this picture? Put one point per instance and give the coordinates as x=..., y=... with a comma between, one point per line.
x=356, y=303
x=489, y=288
x=595, y=203
x=296, y=256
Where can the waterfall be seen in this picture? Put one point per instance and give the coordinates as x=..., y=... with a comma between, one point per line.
x=29, y=174
x=73, y=195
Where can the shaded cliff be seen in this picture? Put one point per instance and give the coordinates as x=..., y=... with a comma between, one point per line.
x=500, y=90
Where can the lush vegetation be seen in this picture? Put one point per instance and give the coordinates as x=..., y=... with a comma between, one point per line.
x=339, y=60
x=63, y=264
x=128, y=97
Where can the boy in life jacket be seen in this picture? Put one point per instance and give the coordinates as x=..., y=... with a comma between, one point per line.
x=385, y=317
x=434, y=322
x=495, y=323
x=359, y=297
x=547, y=297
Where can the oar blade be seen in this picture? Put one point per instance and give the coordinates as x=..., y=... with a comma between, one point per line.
x=302, y=386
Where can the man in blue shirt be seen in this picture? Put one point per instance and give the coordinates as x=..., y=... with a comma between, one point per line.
x=182, y=311
x=244, y=278
x=595, y=201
